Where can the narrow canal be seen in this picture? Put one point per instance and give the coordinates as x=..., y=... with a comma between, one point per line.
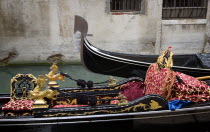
x=75, y=71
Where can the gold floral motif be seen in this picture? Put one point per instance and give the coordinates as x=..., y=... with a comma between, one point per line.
x=15, y=80
x=112, y=81
x=154, y=105
x=123, y=100
x=144, y=106
x=67, y=102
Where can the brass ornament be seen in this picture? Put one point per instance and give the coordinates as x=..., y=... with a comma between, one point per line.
x=14, y=87
x=123, y=100
x=53, y=76
x=112, y=81
x=38, y=95
x=165, y=59
x=154, y=105
x=67, y=102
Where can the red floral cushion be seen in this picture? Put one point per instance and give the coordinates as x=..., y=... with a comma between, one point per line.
x=159, y=81
x=18, y=105
x=191, y=89
x=115, y=101
x=164, y=82
x=65, y=106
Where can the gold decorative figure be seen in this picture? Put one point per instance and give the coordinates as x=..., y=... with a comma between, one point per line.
x=53, y=76
x=123, y=100
x=112, y=81
x=165, y=59
x=38, y=95
x=154, y=105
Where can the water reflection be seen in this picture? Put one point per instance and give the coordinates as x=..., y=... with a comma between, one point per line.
x=75, y=71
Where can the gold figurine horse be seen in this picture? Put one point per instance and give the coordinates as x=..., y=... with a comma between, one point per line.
x=38, y=95
x=52, y=76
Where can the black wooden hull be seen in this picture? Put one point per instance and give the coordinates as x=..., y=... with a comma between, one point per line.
x=144, y=120
x=135, y=120
x=129, y=65
x=127, y=117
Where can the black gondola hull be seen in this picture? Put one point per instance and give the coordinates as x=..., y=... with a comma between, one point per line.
x=141, y=120
x=128, y=65
x=147, y=121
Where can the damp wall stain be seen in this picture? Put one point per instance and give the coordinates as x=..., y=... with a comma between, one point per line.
x=12, y=23
x=24, y=18
x=39, y=28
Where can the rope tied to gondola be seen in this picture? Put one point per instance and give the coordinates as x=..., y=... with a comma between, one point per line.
x=82, y=83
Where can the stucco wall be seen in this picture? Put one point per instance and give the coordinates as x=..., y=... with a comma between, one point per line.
x=36, y=29
x=124, y=33
x=184, y=36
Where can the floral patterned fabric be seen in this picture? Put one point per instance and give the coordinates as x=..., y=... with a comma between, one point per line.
x=18, y=105
x=65, y=106
x=164, y=82
x=133, y=90
x=159, y=82
x=191, y=89
x=115, y=101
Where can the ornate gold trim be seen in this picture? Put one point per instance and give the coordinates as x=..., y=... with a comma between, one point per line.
x=152, y=106
x=14, y=80
x=35, y=106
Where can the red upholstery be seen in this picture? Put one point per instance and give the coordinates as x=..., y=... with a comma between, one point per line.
x=115, y=101
x=18, y=105
x=65, y=106
x=164, y=83
x=159, y=82
x=133, y=90
x=192, y=89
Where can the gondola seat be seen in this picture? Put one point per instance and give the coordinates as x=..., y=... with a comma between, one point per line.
x=20, y=103
x=133, y=90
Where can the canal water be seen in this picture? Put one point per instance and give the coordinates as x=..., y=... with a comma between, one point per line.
x=75, y=71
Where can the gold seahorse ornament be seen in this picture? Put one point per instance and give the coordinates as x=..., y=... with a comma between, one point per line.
x=53, y=76
x=38, y=95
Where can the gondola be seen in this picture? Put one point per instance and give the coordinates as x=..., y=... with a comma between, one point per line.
x=134, y=115
x=107, y=117
x=92, y=106
x=129, y=65
x=28, y=105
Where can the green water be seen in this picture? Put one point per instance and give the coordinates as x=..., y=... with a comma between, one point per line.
x=75, y=71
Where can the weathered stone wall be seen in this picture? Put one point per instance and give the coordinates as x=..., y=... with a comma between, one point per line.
x=207, y=35
x=184, y=36
x=36, y=29
x=128, y=33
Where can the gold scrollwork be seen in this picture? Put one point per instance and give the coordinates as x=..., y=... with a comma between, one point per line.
x=67, y=102
x=152, y=106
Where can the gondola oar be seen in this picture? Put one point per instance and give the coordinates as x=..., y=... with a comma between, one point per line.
x=203, y=78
